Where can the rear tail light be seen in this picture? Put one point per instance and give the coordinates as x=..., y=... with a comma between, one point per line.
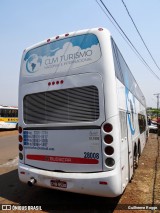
x=23, y=173
x=110, y=162
x=20, y=156
x=109, y=150
x=103, y=183
x=20, y=129
x=108, y=127
x=20, y=147
x=108, y=139
x=20, y=138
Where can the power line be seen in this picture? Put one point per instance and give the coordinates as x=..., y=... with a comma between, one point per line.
x=126, y=38
x=140, y=34
x=118, y=30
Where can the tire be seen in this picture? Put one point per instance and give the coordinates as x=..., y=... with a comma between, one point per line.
x=135, y=159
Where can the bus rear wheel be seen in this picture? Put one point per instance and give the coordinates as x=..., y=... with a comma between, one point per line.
x=135, y=158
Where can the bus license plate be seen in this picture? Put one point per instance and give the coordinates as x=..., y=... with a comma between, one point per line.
x=59, y=183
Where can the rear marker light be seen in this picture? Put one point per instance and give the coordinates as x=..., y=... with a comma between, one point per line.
x=20, y=138
x=66, y=34
x=48, y=40
x=110, y=162
x=57, y=37
x=109, y=150
x=108, y=139
x=100, y=29
x=61, y=81
x=57, y=82
x=53, y=83
x=22, y=173
x=49, y=83
x=108, y=127
x=20, y=129
x=20, y=156
x=20, y=147
x=103, y=183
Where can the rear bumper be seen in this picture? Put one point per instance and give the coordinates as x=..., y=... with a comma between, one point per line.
x=105, y=184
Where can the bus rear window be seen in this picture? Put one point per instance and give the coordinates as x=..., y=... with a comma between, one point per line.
x=62, y=55
x=79, y=104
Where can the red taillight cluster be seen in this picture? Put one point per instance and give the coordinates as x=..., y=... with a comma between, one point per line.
x=20, y=138
x=55, y=83
x=108, y=140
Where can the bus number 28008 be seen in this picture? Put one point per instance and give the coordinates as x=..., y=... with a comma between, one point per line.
x=91, y=155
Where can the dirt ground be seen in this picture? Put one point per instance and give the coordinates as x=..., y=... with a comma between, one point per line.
x=142, y=192
x=8, y=132
x=145, y=186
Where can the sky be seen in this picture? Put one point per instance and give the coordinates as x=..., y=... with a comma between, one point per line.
x=24, y=23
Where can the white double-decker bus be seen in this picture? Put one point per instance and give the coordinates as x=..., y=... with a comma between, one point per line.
x=82, y=116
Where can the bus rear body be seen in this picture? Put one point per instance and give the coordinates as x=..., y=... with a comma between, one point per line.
x=78, y=124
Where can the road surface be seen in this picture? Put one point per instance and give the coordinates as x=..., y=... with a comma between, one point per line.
x=8, y=146
x=143, y=191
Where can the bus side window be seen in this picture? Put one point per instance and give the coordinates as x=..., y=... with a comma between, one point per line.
x=2, y=113
x=142, y=123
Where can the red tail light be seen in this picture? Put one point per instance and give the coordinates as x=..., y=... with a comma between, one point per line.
x=108, y=127
x=20, y=147
x=20, y=138
x=109, y=150
x=108, y=139
x=20, y=129
x=103, y=183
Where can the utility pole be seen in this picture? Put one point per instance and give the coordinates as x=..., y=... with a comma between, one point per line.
x=157, y=95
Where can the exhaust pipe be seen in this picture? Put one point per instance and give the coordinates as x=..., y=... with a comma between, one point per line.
x=31, y=182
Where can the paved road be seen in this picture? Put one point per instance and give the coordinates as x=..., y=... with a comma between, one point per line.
x=8, y=148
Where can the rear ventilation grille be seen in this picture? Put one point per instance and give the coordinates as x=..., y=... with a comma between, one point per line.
x=79, y=104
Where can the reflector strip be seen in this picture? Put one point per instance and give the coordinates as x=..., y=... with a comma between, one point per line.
x=62, y=159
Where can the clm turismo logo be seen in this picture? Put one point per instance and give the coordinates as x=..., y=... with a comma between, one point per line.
x=34, y=63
